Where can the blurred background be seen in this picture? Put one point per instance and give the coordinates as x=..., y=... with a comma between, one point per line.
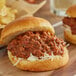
x=52, y=10
x=45, y=12
x=55, y=10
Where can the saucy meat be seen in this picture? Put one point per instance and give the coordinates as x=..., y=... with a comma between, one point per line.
x=34, y=1
x=36, y=43
x=70, y=22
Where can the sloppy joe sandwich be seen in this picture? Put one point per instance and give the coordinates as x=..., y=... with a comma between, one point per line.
x=33, y=46
x=70, y=25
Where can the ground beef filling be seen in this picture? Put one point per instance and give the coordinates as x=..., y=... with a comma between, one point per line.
x=34, y=1
x=36, y=43
x=70, y=22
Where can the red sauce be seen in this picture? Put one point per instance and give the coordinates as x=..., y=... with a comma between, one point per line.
x=70, y=22
x=34, y=1
x=36, y=43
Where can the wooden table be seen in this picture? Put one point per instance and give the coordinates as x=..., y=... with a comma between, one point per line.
x=6, y=68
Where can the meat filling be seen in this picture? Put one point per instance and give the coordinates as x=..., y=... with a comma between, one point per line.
x=70, y=22
x=34, y=1
x=36, y=43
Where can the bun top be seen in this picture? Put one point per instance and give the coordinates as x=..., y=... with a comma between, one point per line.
x=71, y=11
x=22, y=25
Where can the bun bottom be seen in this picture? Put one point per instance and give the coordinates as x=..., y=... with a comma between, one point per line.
x=69, y=37
x=40, y=65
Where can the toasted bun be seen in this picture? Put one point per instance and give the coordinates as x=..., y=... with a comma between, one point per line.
x=69, y=36
x=22, y=25
x=71, y=11
x=41, y=65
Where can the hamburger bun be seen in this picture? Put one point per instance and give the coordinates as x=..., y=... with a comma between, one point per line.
x=41, y=65
x=71, y=11
x=32, y=24
x=69, y=36
x=22, y=25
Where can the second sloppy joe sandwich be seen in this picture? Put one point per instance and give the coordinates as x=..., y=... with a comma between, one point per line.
x=33, y=46
x=70, y=25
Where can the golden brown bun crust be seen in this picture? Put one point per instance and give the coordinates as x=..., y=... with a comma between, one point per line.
x=22, y=25
x=71, y=11
x=41, y=65
x=70, y=37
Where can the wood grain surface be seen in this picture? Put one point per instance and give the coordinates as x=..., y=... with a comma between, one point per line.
x=6, y=68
